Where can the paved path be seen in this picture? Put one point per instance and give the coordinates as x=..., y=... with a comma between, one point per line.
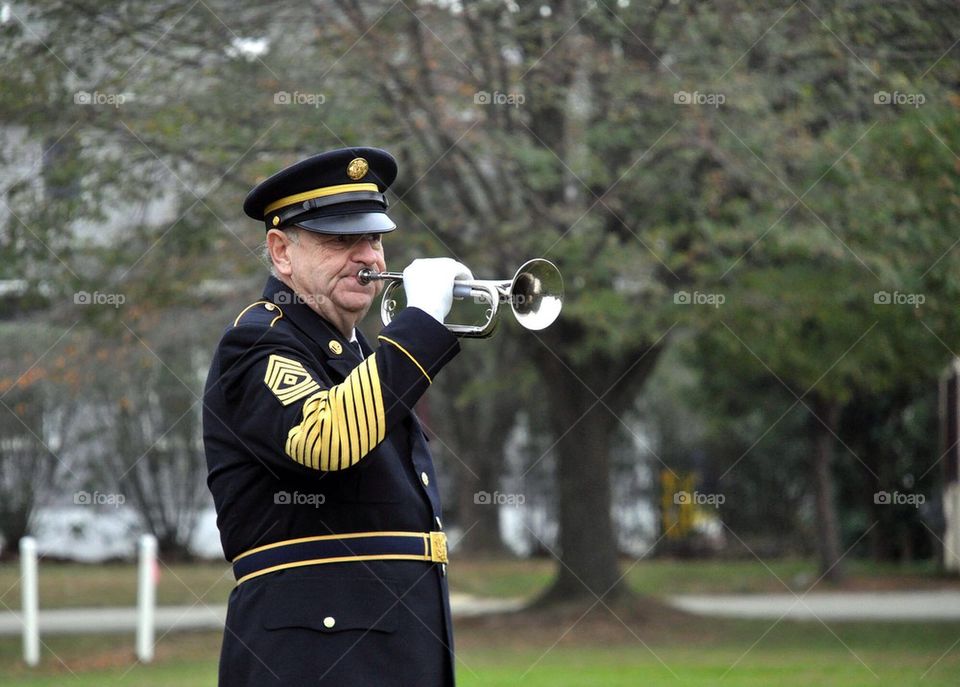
x=942, y=605
x=936, y=605
x=199, y=617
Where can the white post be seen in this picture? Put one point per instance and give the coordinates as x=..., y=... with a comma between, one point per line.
x=29, y=605
x=949, y=438
x=951, y=534
x=146, y=597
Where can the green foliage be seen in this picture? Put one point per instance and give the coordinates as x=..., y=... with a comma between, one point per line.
x=798, y=199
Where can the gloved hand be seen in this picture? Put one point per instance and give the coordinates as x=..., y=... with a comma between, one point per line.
x=428, y=284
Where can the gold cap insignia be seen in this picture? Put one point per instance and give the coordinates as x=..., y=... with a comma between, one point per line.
x=357, y=169
x=335, y=347
x=288, y=379
x=276, y=220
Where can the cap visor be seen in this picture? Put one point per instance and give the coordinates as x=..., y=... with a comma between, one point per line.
x=357, y=223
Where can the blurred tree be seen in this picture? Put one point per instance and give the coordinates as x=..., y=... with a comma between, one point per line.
x=144, y=391
x=645, y=148
x=38, y=425
x=896, y=434
x=873, y=315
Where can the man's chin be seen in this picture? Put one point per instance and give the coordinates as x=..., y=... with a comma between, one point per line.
x=356, y=304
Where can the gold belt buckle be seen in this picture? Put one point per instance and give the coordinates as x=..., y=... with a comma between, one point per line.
x=438, y=547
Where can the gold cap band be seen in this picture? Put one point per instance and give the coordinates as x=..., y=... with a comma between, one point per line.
x=318, y=193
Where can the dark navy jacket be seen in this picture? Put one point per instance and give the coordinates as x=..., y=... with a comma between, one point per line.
x=303, y=437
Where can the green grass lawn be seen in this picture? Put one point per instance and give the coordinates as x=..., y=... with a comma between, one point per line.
x=652, y=647
x=675, y=665
x=71, y=584
x=791, y=654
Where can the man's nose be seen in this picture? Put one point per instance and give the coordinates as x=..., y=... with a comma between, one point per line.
x=364, y=251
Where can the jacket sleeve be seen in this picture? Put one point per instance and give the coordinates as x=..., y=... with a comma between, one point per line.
x=274, y=392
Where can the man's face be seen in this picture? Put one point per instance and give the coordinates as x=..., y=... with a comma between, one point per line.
x=324, y=270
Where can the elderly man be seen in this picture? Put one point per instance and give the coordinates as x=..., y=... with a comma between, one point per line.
x=326, y=495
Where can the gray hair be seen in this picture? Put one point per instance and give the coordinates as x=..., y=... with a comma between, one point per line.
x=293, y=233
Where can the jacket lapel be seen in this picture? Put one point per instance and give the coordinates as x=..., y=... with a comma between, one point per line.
x=330, y=344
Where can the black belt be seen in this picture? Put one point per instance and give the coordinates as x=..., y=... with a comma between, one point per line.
x=341, y=548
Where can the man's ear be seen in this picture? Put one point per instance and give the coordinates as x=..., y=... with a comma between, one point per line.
x=279, y=245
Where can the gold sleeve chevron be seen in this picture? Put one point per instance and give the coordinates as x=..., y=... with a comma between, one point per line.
x=341, y=424
x=288, y=379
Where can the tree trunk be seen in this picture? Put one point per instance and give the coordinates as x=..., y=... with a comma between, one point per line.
x=587, y=542
x=828, y=541
x=583, y=428
x=14, y=525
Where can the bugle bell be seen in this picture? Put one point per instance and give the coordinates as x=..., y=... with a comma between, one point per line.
x=535, y=295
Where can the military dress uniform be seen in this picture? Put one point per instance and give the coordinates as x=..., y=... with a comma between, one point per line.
x=326, y=494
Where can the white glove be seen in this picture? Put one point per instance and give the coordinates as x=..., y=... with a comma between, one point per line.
x=428, y=284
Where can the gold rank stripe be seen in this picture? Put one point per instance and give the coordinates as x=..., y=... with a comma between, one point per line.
x=408, y=354
x=288, y=379
x=340, y=425
x=318, y=193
